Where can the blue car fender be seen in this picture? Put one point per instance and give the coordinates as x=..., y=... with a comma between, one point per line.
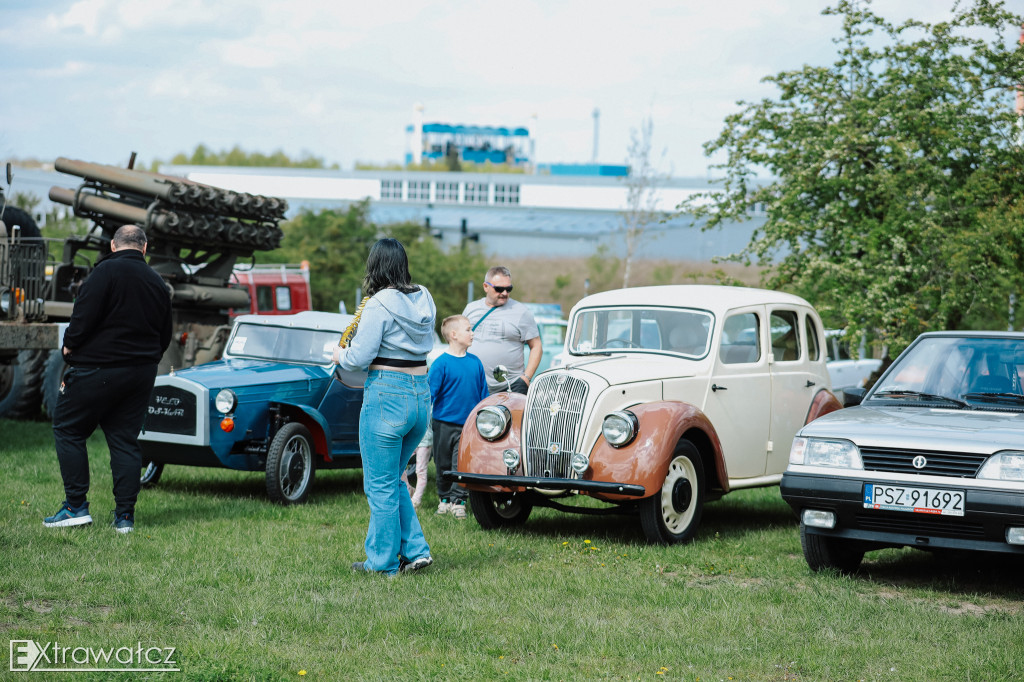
x=314, y=421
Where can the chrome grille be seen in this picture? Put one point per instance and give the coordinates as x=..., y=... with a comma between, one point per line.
x=961, y=464
x=550, y=435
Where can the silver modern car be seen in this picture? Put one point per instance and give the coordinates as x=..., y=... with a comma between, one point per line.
x=930, y=457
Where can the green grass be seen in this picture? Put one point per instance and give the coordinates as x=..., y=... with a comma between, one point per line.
x=248, y=590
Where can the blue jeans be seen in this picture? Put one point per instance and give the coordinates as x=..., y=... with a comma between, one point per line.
x=393, y=419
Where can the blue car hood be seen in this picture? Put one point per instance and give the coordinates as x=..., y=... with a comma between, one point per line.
x=241, y=373
x=921, y=428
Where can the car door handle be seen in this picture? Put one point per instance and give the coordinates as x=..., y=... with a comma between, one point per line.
x=716, y=387
x=808, y=384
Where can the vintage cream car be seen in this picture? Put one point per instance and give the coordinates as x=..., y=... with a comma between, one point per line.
x=671, y=396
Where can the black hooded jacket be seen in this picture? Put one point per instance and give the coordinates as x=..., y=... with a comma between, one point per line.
x=122, y=316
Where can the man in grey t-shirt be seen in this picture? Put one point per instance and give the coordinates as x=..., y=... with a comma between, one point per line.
x=501, y=326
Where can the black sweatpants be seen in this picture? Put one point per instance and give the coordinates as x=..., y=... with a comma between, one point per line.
x=446, y=458
x=114, y=399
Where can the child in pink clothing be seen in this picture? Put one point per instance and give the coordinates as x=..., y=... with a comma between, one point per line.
x=421, y=457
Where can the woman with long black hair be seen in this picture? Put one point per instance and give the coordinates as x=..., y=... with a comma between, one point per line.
x=393, y=335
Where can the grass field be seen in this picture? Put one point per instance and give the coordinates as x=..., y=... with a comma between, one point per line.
x=247, y=590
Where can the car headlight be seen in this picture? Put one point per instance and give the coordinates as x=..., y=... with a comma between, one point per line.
x=6, y=301
x=226, y=401
x=579, y=462
x=620, y=428
x=511, y=458
x=492, y=421
x=816, y=452
x=1004, y=466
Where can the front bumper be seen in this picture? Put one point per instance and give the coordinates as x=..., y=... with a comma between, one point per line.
x=545, y=483
x=987, y=515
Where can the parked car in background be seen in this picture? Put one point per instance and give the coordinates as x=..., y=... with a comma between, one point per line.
x=847, y=368
x=552, y=327
x=274, y=403
x=932, y=457
x=672, y=396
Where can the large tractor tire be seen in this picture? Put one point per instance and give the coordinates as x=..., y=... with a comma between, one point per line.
x=21, y=385
x=15, y=217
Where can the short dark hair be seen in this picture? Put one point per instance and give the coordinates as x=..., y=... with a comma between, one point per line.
x=130, y=236
x=387, y=266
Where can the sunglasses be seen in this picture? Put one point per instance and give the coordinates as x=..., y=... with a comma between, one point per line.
x=499, y=290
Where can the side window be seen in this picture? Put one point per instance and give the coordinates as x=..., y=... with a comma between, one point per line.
x=785, y=333
x=741, y=339
x=264, y=299
x=811, y=332
x=284, y=298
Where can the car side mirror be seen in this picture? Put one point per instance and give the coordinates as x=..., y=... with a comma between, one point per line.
x=853, y=396
x=500, y=373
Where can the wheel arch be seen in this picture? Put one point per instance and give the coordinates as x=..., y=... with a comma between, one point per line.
x=824, y=402
x=312, y=420
x=645, y=461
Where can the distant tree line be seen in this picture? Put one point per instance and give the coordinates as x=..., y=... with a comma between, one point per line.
x=236, y=156
x=336, y=243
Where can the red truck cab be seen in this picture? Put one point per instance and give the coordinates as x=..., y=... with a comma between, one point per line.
x=274, y=289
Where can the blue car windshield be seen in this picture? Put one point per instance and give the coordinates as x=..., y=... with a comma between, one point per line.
x=283, y=344
x=976, y=372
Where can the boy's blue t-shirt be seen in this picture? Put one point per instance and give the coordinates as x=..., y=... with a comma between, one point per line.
x=456, y=386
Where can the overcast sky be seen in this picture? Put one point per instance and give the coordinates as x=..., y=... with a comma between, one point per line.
x=98, y=79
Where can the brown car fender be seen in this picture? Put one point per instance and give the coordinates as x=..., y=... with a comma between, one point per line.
x=481, y=456
x=824, y=402
x=645, y=460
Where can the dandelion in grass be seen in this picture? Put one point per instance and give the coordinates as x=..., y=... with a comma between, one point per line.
x=302, y=673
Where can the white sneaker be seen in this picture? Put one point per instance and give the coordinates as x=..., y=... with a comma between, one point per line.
x=443, y=508
x=459, y=510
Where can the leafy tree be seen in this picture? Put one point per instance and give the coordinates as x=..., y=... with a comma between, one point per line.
x=897, y=176
x=336, y=244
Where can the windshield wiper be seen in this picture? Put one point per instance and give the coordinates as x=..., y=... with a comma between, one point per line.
x=922, y=396
x=1014, y=397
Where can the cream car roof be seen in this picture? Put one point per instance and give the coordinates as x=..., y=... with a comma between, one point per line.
x=717, y=299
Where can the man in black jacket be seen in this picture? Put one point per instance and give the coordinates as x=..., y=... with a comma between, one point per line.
x=119, y=330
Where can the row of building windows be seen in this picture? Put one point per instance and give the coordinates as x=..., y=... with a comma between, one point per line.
x=449, y=192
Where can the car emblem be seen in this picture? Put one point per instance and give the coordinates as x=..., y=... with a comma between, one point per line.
x=920, y=462
x=554, y=448
x=554, y=408
x=560, y=379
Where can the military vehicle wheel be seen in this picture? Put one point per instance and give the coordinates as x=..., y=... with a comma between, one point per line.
x=53, y=377
x=498, y=510
x=151, y=474
x=671, y=515
x=15, y=217
x=20, y=384
x=290, y=466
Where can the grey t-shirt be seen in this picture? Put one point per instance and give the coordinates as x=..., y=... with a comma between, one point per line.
x=499, y=339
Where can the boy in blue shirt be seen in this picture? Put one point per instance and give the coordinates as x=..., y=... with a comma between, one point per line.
x=457, y=384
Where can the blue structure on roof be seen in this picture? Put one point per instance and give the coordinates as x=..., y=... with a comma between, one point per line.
x=584, y=169
x=500, y=145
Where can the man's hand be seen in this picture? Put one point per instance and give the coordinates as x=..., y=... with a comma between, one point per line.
x=66, y=351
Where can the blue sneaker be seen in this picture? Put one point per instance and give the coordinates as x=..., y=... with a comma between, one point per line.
x=67, y=516
x=124, y=523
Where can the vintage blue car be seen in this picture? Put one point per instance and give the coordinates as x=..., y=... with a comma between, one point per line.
x=274, y=403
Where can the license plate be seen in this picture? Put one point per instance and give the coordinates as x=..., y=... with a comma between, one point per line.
x=916, y=500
